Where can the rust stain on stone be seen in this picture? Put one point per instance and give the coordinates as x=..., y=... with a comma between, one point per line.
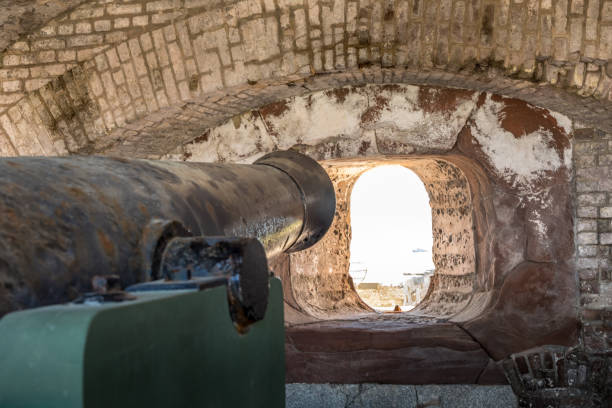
x=365, y=145
x=364, y=37
x=201, y=139
x=274, y=109
x=339, y=94
x=481, y=99
x=372, y=114
x=520, y=118
x=309, y=101
x=389, y=14
x=236, y=120
x=393, y=88
x=445, y=100
x=488, y=21
x=194, y=80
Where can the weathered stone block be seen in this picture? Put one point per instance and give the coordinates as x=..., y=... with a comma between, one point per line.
x=83, y=28
x=587, y=238
x=605, y=238
x=122, y=22
x=605, y=212
x=587, y=250
x=84, y=40
x=586, y=263
x=586, y=225
x=590, y=199
x=117, y=9
x=103, y=25
x=140, y=21
x=12, y=86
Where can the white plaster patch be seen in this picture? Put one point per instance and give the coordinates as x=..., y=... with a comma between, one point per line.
x=519, y=161
x=541, y=205
x=568, y=126
x=418, y=128
x=310, y=120
x=540, y=226
x=563, y=122
x=320, y=116
x=240, y=140
x=402, y=113
x=332, y=124
x=244, y=141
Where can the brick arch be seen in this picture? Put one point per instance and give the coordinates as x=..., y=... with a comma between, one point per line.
x=20, y=18
x=197, y=67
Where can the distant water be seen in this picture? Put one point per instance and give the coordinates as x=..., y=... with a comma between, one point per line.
x=390, y=217
x=391, y=271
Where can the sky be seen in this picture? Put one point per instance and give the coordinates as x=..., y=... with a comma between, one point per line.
x=390, y=217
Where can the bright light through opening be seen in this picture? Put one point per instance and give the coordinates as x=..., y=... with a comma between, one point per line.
x=391, y=259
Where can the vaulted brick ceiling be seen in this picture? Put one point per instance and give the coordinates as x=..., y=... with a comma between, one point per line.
x=22, y=17
x=139, y=78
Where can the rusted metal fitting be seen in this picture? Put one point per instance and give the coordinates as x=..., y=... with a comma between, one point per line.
x=106, y=288
x=242, y=261
x=155, y=237
x=106, y=284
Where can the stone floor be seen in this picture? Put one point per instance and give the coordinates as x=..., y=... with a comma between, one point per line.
x=399, y=396
x=387, y=348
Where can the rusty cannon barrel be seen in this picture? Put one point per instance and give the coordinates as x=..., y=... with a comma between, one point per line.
x=65, y=221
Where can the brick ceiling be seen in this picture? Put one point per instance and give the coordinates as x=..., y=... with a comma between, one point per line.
x=139, y=78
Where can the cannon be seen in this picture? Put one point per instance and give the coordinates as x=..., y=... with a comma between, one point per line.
x=145, y=283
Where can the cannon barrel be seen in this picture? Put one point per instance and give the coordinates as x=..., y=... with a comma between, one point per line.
x=64, y=221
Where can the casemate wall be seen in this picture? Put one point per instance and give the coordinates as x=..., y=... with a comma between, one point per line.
x=502, y=107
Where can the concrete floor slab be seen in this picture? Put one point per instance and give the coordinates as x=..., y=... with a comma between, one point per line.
x=399, y=396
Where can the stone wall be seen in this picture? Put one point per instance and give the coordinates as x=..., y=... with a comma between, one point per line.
x=454, y=250
x=498, y=174
x=356, y=122
x=318, y=277
x=592, y=151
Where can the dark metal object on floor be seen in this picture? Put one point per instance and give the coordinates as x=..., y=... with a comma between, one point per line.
x=559, y=377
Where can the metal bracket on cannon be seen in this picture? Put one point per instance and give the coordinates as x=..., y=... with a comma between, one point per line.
x=175, y=260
